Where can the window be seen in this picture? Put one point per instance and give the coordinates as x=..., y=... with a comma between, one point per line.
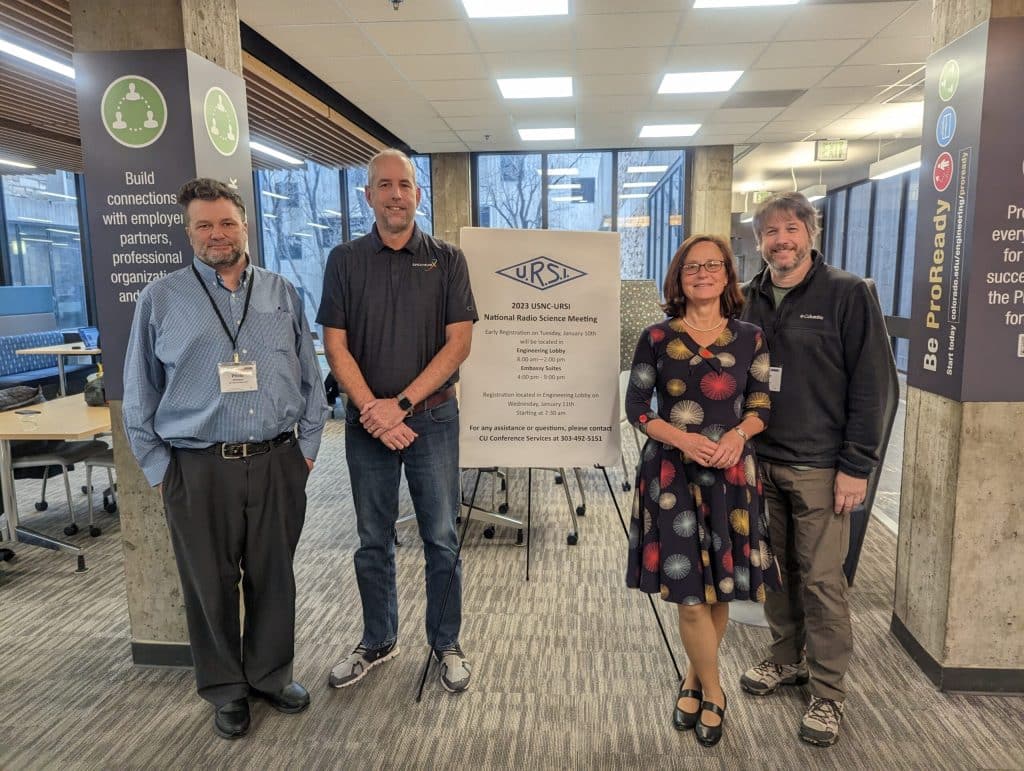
x=44, y=240
x=508, y=188
x=858, y=214
x=300, y=221
x=835, y=228
x=574, y=191
x=885, y=237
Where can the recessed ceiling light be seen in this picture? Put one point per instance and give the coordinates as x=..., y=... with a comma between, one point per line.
x=632, y=195
x=646, y=169
x=319, y=227
x=698, y=82
x=908, y=160
x=269, y=194
x=259, y=147
x=62, y=231
x=39, y=60
x=58, y=195
x=16, y=164
x=740, y=3
x=494, y=9
x=332, y=212
x=561, y=172
x=549, y=134
x=34, y=219
x=535, y=88
x=669, y=130
x=638, y=184
x=565, y=186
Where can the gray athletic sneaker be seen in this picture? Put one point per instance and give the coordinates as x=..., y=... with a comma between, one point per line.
x=820, y=725
x=767, y=676
x=455, y=669
x=355, y=665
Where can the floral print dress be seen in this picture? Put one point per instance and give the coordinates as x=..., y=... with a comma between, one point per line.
x=699, y=534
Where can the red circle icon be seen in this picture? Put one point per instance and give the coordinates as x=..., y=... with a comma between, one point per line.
x=942, y=174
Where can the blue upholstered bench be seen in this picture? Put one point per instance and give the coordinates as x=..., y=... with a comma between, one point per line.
x=18, y=369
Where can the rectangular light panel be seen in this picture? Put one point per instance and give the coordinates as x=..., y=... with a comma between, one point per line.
x=698, y=82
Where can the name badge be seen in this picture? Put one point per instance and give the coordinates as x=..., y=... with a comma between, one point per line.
x=775, y=378
x=236, y=376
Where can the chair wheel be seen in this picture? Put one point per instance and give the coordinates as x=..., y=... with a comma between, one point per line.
x=94, y=531
x=110, y=508
x=503, y=508
x=489, y=532
x=42, y=505
x=626, y=487
x=71, y=529
x=572, y=539
x=581, y=510
x=558, y=479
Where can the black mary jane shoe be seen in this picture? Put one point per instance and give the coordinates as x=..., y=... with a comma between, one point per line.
x=231, y=720
x=682, y=720
x=707, y=735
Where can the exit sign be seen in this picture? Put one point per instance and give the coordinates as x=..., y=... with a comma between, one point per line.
x=830, y=150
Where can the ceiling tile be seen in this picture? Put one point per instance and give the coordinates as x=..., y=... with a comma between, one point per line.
x=808, y=53
x=582, y=7
x=816, y=115
x=546, y=33
x=781, y=79
x=512, y=64
x=317, y=38
x=916, y=21
x=763, y=98
x=698, y=58
x=481, y=122
x=421, y=37
x=381, y=10
x=603, y=85
x=733, y=25
x=612, y=103
x=744, y=115
x=626, y=30
x=440, y=66
x=850, y=95
x=621, y=61
x=869, y=75
x=464, y=107
x=347, y=69
x=457, y=89
x=847, y=20
x=686, y=102
x=893, y=51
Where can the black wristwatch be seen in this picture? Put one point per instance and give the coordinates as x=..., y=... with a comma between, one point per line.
x=404, y=403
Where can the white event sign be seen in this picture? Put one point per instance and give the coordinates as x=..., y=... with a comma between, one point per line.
x=540, y=387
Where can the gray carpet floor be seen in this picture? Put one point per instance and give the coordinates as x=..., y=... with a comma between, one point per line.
x=569, y=668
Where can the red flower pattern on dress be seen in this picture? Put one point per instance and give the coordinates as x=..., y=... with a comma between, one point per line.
x=656, y=335
x=705, y=353
x=668, y=473
x=727, y=562
x=735, y=475
x=652, y=556
x=718, y=385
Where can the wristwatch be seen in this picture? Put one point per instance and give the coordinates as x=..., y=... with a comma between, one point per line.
x=738, y=430
x=404, y=403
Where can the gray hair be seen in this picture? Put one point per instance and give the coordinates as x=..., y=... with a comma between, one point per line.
x=794, y=204
x=389, y=152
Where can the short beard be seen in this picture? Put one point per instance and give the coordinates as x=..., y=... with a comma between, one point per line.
x=227, y=261
x=801, y=258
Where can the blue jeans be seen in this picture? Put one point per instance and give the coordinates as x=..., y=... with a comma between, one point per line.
x=432, y=472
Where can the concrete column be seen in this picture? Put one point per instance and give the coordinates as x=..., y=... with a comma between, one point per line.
x=709, y=198
x=453, y=196
x=208, y=28
x=958, y=606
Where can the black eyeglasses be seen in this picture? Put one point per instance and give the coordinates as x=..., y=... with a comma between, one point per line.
x=711, y=266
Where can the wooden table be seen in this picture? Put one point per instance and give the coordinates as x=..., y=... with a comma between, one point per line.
x=61, y=350
x=69, y=419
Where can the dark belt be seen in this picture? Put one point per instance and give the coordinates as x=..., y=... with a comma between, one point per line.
x=434, y=400
x=234, y=450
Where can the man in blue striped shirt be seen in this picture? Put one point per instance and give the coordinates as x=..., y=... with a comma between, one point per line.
x=224, y=408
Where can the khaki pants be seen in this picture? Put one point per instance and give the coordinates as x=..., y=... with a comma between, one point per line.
x=810, y=541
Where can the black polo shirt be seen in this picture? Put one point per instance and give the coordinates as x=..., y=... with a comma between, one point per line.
x=395, y=305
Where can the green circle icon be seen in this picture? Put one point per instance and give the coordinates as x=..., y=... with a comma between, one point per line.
x=133, y=111
x=221, y=121
x=949, y=80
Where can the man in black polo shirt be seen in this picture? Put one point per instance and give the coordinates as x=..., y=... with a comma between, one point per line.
x=398, y=315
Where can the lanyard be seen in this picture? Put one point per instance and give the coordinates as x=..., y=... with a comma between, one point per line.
x=245, y=311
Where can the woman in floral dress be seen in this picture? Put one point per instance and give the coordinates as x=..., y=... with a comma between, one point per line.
x=698, y=533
